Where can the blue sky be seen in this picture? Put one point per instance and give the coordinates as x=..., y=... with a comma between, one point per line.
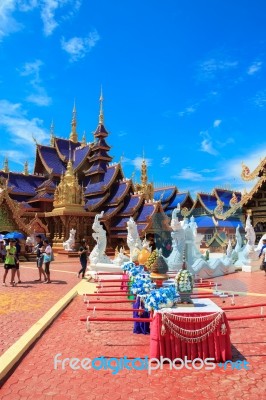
x=183, y=82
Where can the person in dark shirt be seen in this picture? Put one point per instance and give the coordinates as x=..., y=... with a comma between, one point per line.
x=39, y=258
x=83, y=257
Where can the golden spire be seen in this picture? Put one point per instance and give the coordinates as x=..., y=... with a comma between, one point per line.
x=101, y=117
x=26, y=168
x=6, y=169
x=73, y=135
x=84, y=139
x=52, y=134
x=144, y=177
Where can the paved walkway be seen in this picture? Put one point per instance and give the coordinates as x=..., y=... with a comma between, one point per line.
x=23, y=305
x=36, y=378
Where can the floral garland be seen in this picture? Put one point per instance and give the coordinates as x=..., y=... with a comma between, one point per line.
x=142, y=285
x=165, y=297
x=184, y=281
x=187, y=335
x=132, y=269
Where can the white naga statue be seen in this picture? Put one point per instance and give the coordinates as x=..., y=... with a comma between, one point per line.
x=133, y=239
x=250, y=234
x=98, y=253
x=69, y=244
x=175, y=259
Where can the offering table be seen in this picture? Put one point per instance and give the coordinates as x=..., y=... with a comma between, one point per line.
x=200, y=331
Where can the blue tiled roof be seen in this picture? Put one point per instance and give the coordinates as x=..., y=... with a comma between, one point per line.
x=98, y=167
x=23, y=183
x=80, y=155
x=164, y=194
x=178, y=199
x=206, y=221
x=131, y=204
x=100, y=153
x=110, y=210
x=120, y=222
x=118, y=191
x=106, y=179
x=63, y=147
x=101, y=143
x=93, y=201
x=41, y=196
x=146, y=211
x=226, y=196
x=119, y=233
x=101, y=129
x=47, y=184
x=209, y=201
x=52, y=160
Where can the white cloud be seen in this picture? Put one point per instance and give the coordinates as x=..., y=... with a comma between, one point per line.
x=122, y=133
x=188, y=174
x=14, y=120
x=207, y=144
x=188, y=110
x=8, y=24
x=211, y=67
x=260, y=99
x=217, y=122
x=47, y=8
x=137, y=162
x=19, y=157
x=39, y=96
x=165, y=160
x=255, y=67
x=78, y=47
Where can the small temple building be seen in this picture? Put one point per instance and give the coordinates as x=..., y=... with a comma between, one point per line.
x=73, y=181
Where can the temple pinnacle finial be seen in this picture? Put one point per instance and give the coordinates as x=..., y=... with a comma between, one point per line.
x=52, y=134
x=26, y=168
x=84, y=139
x=101, y=117
x=6, y=168
x=73, y=135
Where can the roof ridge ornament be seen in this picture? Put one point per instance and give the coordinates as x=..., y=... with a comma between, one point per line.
x=6, y=168
x=73, y=134
x=101, y=115
x=52, y=137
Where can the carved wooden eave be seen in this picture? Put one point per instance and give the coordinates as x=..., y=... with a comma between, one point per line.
x=246, y=175
x=15, y=208
x=49, y=170
x=245, y=198
x=36, y=221
x=199, y=199
x=60, y=155
x=83, y=161
x=218, y=239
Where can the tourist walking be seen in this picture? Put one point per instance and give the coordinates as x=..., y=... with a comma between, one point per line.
x=39, y=248
x=10, y=262
x=83, y=257
x=18, y=249
x=47, y=258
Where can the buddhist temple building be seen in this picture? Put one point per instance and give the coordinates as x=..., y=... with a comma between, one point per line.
x=73, y=181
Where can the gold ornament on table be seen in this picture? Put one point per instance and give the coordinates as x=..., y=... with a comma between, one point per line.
x=158, y=267
x=184, y=280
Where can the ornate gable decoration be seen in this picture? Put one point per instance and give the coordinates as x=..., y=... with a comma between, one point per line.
x=246, y=175
x=11, y=210
x=69, y=192
x=233, y=200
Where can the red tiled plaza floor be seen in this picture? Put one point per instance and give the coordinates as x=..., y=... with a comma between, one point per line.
x=36, y=378
x=23, y=305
